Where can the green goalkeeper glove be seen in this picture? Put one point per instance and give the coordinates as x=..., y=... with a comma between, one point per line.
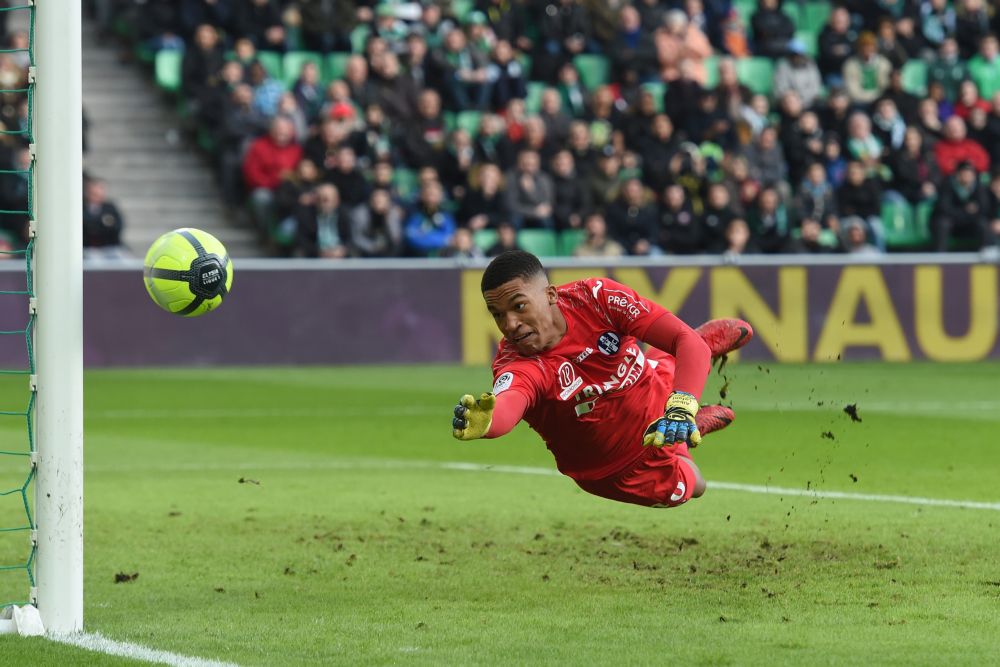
x=677, y=423
x=473, y=418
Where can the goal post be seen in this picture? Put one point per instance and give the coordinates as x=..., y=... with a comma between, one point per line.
x=59, y=313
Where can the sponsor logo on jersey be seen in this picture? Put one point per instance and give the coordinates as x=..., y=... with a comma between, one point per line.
x=597, y=287
x=609, y=343
x=625, y=305
x=503, y=382
x=678, y=492
x=568, y=380
x=583, y=355
x=626, y=374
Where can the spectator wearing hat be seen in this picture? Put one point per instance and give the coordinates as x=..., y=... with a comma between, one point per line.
x=860, y=197
x=866, y=74
x=835, y=46
x=797, y=72
x=962, y=210
x=855, y=239
x=955, y=147
x=772, y=29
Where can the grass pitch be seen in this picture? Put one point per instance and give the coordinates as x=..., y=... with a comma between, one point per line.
x=311, y=516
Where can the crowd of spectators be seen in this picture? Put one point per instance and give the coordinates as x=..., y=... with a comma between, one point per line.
x=452, y=118
x=102, y=222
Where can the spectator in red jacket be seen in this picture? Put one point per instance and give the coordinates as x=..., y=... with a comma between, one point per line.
x=955, y=148
x=267, y=160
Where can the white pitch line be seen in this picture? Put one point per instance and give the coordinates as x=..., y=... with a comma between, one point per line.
x=465, y=466
x=92, y=641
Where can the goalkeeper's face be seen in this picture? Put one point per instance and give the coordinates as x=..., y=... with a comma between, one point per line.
x=526, y=313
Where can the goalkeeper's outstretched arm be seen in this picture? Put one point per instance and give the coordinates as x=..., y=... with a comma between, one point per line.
x=488, y=416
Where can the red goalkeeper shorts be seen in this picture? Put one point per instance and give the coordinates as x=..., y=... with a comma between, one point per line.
x=663, y=477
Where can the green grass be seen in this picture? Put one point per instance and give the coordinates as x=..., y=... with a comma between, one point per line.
x=347, y=543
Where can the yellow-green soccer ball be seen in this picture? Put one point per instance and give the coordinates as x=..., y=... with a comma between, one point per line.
x=188, y=272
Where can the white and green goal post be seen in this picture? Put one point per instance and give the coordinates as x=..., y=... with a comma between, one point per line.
x=53, y=453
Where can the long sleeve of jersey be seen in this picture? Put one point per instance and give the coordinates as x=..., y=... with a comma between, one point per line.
x=694, y=358
x=510, y=408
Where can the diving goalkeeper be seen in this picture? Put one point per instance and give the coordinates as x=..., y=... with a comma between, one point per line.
x=619, y=420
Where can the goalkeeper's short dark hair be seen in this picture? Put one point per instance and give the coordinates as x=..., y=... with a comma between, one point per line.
x=509, y=265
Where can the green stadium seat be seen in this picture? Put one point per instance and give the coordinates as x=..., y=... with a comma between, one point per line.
x=569, y=239
x=541, y=242
x=335, y=66
x=464, y=120
x=746, y=9
x=810, y=39
x=711, y=71
x=915, y=77
x=594, y=70
x=657, y=89
x=533, y=102
x=273, y=63
x=756, y=73
x=292, y=63
x=168, y=70
x=526, y=62
x=462, y=8
x=792, y=11
x=905, y=227
x=359, y=36
x=485, y=238
x=405, y=181
x=814, y=16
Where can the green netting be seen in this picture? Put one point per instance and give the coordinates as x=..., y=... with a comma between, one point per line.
x=13, y=458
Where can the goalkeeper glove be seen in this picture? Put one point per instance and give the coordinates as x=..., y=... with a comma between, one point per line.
x=677, y=423
x=473, y=417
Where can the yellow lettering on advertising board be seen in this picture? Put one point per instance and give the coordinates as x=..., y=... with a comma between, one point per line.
x=783, y=331
x=479, y=331
x=840, y=330
x=671, y=295
x=980, y=335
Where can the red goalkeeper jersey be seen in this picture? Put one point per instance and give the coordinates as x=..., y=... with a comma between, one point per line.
x=592, y=395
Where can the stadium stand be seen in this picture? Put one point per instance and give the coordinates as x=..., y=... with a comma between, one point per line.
x=672, y=93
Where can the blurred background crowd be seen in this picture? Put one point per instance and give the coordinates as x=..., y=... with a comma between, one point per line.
x=581, y=127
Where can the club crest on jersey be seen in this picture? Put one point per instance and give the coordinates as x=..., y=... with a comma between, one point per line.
x=568, y=380
x=503, y=382
x=609, y=343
